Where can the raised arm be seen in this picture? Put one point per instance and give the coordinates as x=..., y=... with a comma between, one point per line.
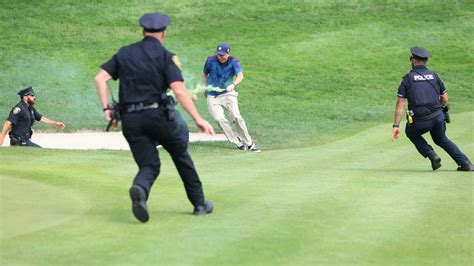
x=238, y=78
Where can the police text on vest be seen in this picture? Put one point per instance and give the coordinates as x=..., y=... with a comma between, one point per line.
x=424, y=77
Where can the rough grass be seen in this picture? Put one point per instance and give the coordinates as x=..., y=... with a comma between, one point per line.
x=314, y=69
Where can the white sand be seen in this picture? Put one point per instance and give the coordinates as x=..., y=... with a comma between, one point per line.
x=97, y=140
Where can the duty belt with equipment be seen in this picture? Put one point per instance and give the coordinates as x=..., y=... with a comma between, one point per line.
x=19, y=138
x=132, y=108
x=427, y=117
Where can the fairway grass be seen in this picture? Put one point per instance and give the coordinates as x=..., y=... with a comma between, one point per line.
x=359, y=200
x=50, y=206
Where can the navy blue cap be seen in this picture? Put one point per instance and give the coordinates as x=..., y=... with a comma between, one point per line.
x=223, y=49
x=27, y=91
x=154, y=22
x=420, y=52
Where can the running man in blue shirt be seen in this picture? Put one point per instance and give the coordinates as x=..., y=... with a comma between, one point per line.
x=224, y=72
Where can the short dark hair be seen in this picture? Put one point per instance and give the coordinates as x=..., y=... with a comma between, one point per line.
x=154, y=30
x=419, y=59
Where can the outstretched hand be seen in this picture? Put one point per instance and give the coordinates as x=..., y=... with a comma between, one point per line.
x=60, y=125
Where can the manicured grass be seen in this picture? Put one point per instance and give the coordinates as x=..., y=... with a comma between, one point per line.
x=359, y=200
x=314, y=69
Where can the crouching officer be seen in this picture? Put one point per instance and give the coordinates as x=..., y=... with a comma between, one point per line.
x=146, y=70
x=426, y=96
x=21, y=119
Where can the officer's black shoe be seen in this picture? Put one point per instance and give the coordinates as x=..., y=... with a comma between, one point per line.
x=435, y=160
x=467, y=166
x=139, y=208
x=204, y=209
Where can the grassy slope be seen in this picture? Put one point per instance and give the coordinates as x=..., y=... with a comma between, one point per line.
x=360, y=200
x=315, y=70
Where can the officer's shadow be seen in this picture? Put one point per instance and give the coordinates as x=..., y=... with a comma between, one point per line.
x=126, y=216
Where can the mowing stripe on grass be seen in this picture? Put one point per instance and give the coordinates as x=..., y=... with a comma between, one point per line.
x=363, y=199
x=27, y=206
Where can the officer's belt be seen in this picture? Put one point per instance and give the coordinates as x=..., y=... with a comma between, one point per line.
x=20, y=137
x=132, y=108
x=427, y=117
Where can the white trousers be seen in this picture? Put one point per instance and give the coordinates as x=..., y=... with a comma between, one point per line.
x=228, y=101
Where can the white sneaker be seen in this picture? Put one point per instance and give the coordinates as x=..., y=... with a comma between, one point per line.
x=253, y=148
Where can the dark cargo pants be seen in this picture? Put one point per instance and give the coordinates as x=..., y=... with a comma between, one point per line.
x=437, y=128
x=145, y=130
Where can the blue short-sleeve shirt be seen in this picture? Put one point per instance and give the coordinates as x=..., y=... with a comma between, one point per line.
x=221, y=74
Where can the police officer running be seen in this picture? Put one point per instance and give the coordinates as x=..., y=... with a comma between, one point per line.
x=224, y=72
x=146, y=70
x=21, y=119
x=426, y=96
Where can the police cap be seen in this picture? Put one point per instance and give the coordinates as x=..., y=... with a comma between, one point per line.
x=154, y=22
x=27, y=92
x=420, y=53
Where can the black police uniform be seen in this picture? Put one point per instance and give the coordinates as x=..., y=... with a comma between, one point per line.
x=146, y=69
x=22, y=117
x=423, y=87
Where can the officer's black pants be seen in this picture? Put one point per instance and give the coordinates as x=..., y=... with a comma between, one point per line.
x=437, y=128
x=23, y=142
x=144, y=131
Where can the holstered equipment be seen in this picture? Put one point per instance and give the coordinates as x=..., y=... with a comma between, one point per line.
x=16, y=139
x=410, y=117
x=447, y=117
x=167, y=103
